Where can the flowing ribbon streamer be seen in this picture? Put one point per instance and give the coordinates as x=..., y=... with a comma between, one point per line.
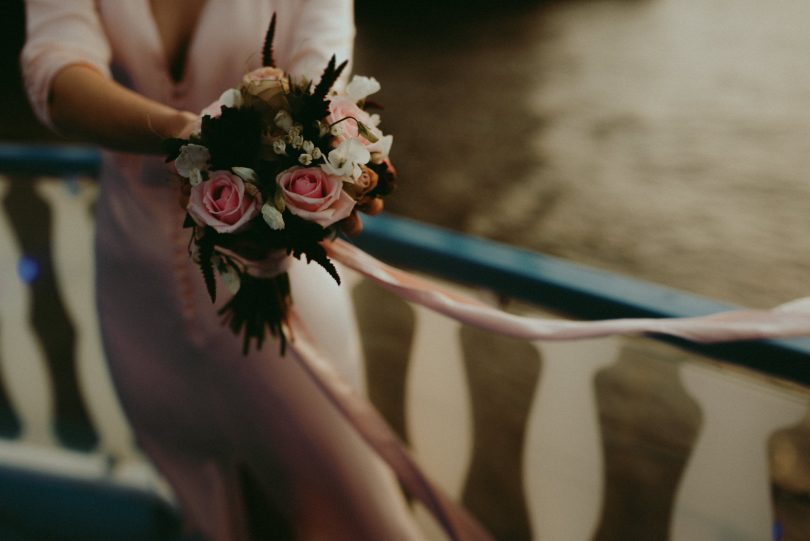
x=789, y=320
x=371, y=426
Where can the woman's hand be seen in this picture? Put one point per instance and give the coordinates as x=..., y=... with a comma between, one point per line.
x=87, y=106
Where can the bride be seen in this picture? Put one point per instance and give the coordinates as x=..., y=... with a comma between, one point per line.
x=250, y=447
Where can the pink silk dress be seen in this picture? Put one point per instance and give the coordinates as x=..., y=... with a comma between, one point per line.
x=216, y=424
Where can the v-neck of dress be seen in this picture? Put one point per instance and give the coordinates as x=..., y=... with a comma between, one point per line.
x=163, y=53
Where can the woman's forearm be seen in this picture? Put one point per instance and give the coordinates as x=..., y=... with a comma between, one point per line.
x=87, y=106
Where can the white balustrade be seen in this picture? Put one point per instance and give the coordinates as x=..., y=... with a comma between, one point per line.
x=24, y=369
x=74, y=264
x=563, y=462
x=725, y=492
x=439, y=421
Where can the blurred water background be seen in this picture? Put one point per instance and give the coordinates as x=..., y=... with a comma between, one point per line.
x=664, y=139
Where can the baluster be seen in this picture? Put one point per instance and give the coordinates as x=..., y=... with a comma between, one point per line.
x=563, y=461
x=73, y=259
x=350, y=280
x=21, y=355
x=387, y=326
x=502, y=374
x=725, y=492
x=439, y=422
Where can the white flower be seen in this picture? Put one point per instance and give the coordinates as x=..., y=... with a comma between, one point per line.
x=279, y=146
x=381, y=149
x=273, y=217
x=360, y=87
x=345, y=160
x=192, y=160
x=195, y=177
x=246, y=173
x=297, y=141
x=305, y=159
x=316, y=153
x=308, y=147
x=231, y=98
x=283, y=120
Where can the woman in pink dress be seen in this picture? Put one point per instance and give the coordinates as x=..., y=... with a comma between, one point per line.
x=249, y=445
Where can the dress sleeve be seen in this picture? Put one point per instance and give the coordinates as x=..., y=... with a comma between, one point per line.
x=322, y=28
x=60, y=33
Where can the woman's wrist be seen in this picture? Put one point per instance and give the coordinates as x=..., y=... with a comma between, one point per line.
x=181, y=124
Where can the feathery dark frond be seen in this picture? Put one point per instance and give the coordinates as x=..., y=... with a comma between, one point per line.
x=206, y=247
x=267, y=52
x=330, y=75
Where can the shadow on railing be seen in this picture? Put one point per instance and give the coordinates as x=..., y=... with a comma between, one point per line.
x=608, y=439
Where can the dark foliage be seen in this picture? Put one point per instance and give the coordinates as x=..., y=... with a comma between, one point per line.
x=171, y=148
x=260, y=305
x=206, y=247
x=267, y=50
x=304, y=238
x=233, y=138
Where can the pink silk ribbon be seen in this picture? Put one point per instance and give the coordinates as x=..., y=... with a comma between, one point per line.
x=788, y=320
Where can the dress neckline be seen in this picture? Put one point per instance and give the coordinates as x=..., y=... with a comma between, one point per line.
x=162, y=52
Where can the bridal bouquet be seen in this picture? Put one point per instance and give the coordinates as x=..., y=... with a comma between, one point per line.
x=275, y=166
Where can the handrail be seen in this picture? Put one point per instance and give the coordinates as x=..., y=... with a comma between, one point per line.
x=576, y=290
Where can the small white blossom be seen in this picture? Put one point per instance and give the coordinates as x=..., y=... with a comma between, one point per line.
x=361, y=87
x=192, y=160
x=283, y=120
x=246, y=173
x=279, y=146
x=297, y=141
x=273, y=217
x=381, y=149
x=308, y=147
x=336, y=130
x=231, y=98
x=316, y=153
x=305, y=159
x=345, y=160
x=195, y=177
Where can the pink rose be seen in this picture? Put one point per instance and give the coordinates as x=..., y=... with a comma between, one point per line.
x=342, y=107
x=313, y=195
x=224, y=202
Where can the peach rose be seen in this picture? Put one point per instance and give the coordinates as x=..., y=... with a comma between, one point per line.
x=313, y=195
x=224, y=202
x=267, y=84
x=366, y=182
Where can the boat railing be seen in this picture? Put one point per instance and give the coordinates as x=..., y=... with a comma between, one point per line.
x=546, y=440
